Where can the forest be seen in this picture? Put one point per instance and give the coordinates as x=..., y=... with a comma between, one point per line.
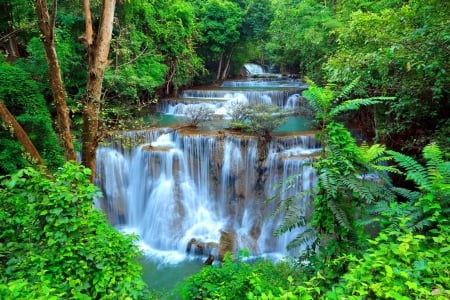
x=73, y=72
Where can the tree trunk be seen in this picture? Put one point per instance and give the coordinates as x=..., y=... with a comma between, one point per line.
x=219, y=69
x=227, y=65
x=20, y=134
x=7, y=28
x=98, y=51
x=47, y=26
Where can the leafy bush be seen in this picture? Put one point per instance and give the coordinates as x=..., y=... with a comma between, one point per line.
x=258, y=119
x=401, y=265
x=235, y=280
x=54, y=244
x=197, y=114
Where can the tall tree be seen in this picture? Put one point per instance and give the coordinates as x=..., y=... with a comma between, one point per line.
x=98, y=50
x=220, y=24
x=47, y=27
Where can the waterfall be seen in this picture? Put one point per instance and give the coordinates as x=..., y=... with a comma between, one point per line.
x=172, y=187
x=253, y=69
x=219, y=100
x=181, y=191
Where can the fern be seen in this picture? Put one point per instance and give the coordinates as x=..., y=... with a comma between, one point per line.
x=415, y=171
x=355, y=104
x=411, y=196
x=307, y=237
x=355, y=186
x=339, y=215
x=345, y=93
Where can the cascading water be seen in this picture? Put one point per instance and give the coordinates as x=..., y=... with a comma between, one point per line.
x=173, y=187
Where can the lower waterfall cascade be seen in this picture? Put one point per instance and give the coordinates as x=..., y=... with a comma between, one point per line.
x=181, y=191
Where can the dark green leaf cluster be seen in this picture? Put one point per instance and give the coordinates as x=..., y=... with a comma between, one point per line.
x=24, y=100
x=55, y=245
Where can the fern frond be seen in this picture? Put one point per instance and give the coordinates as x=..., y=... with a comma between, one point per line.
x=379, y=207
x=307, y=237
x=438, y=169
x=319, y=98
x=414, y=171
x=411, y=196
x=339, y=215
x=419, y=225
x=356, y=186
x=291, y=221
x=355, y=104
x=345, y=93
x=433, y=154
x=328, y=183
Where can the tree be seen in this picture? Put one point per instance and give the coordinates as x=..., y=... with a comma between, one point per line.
x=220, y=24
x=46, y=22
x=408, y=58
x=98, y=51
x=302, y=36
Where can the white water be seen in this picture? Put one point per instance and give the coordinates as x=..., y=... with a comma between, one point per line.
x=254, y=69
x=169, y=187
x=172, y=188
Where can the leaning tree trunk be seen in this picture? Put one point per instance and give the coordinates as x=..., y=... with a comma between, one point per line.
x=20, y=134
x=47, y=26
x=98, y=51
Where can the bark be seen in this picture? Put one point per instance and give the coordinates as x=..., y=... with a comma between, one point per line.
x=227, y=65
x=47, y=26
x=98, y=51
x=6, y=19
x=219, y=69
x=20, y=134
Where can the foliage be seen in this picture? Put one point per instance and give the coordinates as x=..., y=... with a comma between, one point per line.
x=163, y=35
x=197, y=114
x=408, y=58
x=54, y=244
x=343, y=188
x=22, y=97
x=259, y=119
x=410, y=256
x=400, y=265
x=425, y=207
x=235, y=280
x=301, y=36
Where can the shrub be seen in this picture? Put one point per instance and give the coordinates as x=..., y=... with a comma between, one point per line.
x=235, y=280
x=54, y=244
